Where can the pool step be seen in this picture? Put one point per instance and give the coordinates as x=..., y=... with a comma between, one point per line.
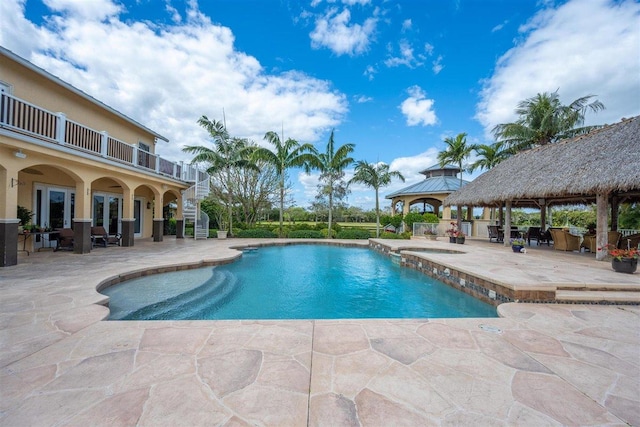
x=217, y=289
x=628, y=297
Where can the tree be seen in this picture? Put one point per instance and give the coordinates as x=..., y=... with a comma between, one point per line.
x=331, y=165
x=286, y=155
x=457, y=152
x=543, y=120
x=228, y=153
x=375, y=176
x=488, y=156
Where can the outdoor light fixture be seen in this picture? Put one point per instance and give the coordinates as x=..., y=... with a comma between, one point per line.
x=148, y=205
x=19, y=154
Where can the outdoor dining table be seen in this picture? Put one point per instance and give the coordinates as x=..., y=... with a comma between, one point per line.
x=42, y=234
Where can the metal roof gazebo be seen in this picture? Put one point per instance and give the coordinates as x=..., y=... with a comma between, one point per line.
x=439, y=183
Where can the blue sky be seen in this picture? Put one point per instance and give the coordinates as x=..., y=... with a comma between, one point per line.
x=392, y=77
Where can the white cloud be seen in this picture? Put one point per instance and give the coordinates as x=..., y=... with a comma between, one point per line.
x=499, y=26
x=437, y=65
x=411, y=166
x=406, y=56
x=167, y=77
x=370, y=72
x=583, y=47
x=335, y=31
x=95, y=10
x=362, y=99
x=406, y=25
x=418, y=109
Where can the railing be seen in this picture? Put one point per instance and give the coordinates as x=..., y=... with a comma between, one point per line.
x=25, y=118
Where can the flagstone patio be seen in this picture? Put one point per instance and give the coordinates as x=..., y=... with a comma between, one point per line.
x=538, y=364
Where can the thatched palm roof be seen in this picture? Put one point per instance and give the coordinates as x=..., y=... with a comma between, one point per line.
x=606, y=160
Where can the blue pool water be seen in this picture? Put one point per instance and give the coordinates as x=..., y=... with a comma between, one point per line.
x=293, y=282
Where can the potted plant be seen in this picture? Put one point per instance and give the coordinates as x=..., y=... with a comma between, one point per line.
x=624, y=260
x=517, y=244
x=460, y=237
x=24, y=215
x=452, y=232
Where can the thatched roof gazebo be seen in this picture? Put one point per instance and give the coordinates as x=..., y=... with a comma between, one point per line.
x=602, y=166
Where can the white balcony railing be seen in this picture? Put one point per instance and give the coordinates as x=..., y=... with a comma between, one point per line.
x=25, y=118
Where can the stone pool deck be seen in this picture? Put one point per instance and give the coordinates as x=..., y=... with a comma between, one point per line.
x=537, y=365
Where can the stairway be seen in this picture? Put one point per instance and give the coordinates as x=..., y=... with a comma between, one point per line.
x=193, y=304
x=191, y=212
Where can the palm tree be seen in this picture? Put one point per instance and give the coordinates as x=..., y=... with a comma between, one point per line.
x=374, y=176
x=287, y=154
x=228, y=153
x=331, y=165
x=543, y=120
x=457, y=152
x=488, y=156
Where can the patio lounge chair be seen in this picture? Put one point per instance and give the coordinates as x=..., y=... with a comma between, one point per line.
x=564, y=241
x=65, y=239
x=100, y=236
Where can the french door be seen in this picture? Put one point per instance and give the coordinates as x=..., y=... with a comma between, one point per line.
x=107, y=212
x=58, y=208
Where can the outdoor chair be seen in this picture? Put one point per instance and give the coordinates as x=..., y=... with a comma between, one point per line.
x=100, y=236
x=533, y=234
x=589, y=242
x=633, y=241
x=614, y=238
x=564, y=241
x=495, y=233
x=65, y=239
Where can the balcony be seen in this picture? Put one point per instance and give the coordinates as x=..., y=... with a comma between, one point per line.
x=21, y=117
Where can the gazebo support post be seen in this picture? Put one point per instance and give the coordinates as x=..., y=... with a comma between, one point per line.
x=614, y=213
x=543, y=215
x=601, y=224
x=507, y=224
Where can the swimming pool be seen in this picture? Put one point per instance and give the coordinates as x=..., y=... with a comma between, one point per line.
x=293, y=282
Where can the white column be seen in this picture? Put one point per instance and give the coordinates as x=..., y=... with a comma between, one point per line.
x=61, y=127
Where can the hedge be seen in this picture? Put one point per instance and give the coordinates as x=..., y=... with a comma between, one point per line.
x=387, y=235
x=305, y=234
x=353, y=233
x=256, y=233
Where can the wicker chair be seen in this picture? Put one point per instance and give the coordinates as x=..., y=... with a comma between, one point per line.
x=614, y=238
x=564, y=241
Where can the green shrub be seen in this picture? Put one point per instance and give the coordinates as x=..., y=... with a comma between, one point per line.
x=412, y=217
x=305, y=234
x=325, y=233
x=431, y=218
x=353, y=233
x=259, y=233
x=395, y=220
x=386, y=235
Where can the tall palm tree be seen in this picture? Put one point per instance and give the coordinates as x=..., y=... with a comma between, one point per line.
x=457, y=152
x=543, y=120
x=488, y=156
x=374, y=176
x=228, y=153
x=331, y=165
x=286, y=155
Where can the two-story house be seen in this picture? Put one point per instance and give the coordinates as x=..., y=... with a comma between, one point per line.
x=75, y=162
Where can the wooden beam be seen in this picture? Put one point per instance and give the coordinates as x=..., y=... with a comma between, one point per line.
x=507, y=224
x=602, y=204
